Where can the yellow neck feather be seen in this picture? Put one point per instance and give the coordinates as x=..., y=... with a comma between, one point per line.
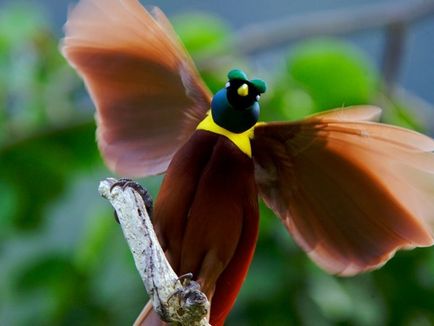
x=241, y=140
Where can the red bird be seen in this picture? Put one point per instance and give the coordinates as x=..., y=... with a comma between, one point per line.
x=350, y=191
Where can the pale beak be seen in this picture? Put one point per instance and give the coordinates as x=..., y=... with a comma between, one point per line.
x=243, y=90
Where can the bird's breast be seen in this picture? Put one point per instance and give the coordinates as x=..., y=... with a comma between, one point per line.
x=241, y=140
x=206, y=215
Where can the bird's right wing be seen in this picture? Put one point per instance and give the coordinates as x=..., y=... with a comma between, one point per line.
x=147, y=92
x=350, y=191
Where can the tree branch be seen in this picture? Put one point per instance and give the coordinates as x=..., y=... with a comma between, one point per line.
x=261, y=37
x=393, y=54
x=175, y=301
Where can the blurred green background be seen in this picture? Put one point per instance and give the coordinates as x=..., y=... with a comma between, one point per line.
x=63, y=260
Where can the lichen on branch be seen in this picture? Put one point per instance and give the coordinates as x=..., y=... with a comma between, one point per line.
x=176, y=300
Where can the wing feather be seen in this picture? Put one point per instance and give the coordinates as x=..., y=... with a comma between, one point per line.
x=351, y=192
x=148, y=94
x=352, y=113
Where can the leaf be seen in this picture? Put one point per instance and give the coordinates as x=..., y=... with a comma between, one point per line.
x=200, y=31
x=334, y=73
x=40, y=167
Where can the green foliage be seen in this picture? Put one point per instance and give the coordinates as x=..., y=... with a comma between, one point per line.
x=200, y=32
x=63, y=259
x=334, y=73
x=44, y=163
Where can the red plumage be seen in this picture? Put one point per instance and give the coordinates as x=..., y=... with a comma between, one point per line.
x=351, y=191
x=206, y=217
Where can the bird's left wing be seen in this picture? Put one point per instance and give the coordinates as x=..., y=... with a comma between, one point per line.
x=147, y=92
x=349, y=190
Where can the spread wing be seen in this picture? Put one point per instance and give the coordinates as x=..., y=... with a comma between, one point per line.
x=147, y=92
x=350, y=191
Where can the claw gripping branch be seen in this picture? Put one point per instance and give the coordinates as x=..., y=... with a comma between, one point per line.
x=175, y=299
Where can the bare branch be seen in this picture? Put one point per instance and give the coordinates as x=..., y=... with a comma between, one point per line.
x=393, y=54
x=266, y=36
x=175, y=301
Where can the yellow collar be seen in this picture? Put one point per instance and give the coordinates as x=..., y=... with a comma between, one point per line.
x=241, y=140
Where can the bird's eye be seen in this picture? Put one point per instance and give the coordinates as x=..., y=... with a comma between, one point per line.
x=258, y=97
x=228, y=84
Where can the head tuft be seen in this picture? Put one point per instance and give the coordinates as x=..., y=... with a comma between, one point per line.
x=236, y=107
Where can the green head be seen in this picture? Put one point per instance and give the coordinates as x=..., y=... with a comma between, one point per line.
x=236, y=106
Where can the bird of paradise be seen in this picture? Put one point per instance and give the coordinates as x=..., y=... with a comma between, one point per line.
x=350, y=191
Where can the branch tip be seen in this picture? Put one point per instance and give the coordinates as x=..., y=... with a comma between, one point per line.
x=175, y=299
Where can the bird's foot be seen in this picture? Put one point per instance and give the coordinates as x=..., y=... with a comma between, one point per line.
x=186, y=279
x=191, y=297
x=143, y=192
x=190, y=291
